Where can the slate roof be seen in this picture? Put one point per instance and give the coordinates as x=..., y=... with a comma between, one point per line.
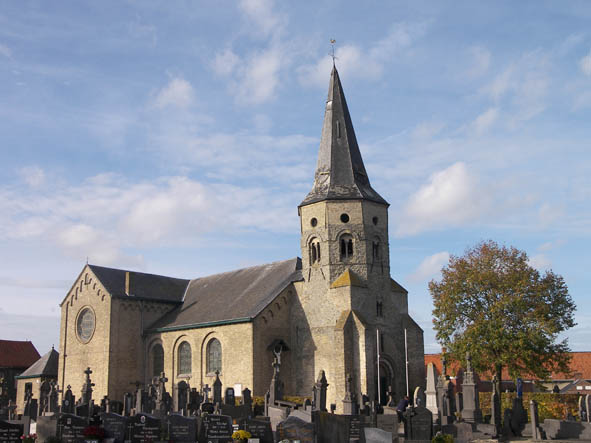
x=340, y=172
x=17, y=354
x=45, y=366
x=141, y=285
x=231, y=296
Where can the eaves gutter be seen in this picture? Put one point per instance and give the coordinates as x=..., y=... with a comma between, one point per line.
x=201, y=325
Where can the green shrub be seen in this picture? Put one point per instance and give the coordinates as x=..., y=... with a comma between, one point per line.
x=443, y=438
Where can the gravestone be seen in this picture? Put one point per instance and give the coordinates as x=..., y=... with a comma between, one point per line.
x=230, y=398
x=418, y=397
x=71, y=428
x=207, y=407
x=293, y=428
x=127, y=404
x=115, y=426
x=46, y=427
x=588, y=407
x=387, y=422
x=247, y=398
x=431, y=391
x=217, y=389
x=10, y=433
x=375, y=435
x=44, y=397
x=260, y=429
x=536, y=432
x=445, y=396
x=145, y=428
x=356, y=425
x=319, y=393
x=182, y=429
x=350, y=400
x=116, y=407
x=506, y=430
x=582, y=408
x=182, y=397
x=495, y=406
x=216, y=428
x=459, y=402
x=518, y=417
x=418, y=424
x=194, y=401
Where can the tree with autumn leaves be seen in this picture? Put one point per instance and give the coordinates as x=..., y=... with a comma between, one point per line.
x=494, y=304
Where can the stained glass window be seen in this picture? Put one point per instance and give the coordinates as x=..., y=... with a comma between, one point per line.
x=214, y=356
x=184, y=358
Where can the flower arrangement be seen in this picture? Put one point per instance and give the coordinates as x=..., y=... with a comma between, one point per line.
x=94, y=433
x=30, y=438
x=241, y=435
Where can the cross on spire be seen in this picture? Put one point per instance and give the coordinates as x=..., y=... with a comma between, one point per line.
x=332, y=43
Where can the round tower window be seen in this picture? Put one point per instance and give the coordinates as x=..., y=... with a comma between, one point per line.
x=85, y=325
x=345, y=218
x=375, y=220
x=313, y=222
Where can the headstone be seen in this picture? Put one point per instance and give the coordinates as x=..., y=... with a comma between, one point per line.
x=459, y=402
x=162, y=400
x=387, y=423
x=127, y=404
x=390, y=400
x=144, y=428
x=375, y=435
x=471, y=411
x=536, y=432
x=495, y=406
x=217, y=389
x=207, y=407
x=44, y=397
x=350, y=400
x=564, y=429
x=319, y=390
x=46, y=427
x=217, y=428
x=206, y=391
x=418, y=397
x=10, y=433
x=116, y=407
x=115, y=426
x=68, y=401
x=194, y=401
x=445, y=396
x=588, y=407
x=71, y=428
x=518, y=417
x=356, y=426
x=506, y=430
x=230, y=398
x=52, y=405
x=31, y=408
x=86, y=397
x=182, y=429
x=431, y=392
x=260, y=429
x=247, y=398
x=582, y=408
x=418, y=424
x=293, y=428
x=182, y=397
x=11, y=410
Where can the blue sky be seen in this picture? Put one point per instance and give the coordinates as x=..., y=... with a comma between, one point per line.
x=178, y=137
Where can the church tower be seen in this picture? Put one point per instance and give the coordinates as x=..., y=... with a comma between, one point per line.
x=348, y=301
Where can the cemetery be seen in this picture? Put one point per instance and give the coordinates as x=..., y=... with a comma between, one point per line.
x=217, y=414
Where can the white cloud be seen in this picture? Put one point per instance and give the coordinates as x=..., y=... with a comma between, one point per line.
x=178, y=93
x=261, y=13
x=33, y=175
x=484, y=121
x=585, y=64
x=430, y=267
x=551, y=245
x=259, y=78
x=5, y=51
x=550, y=213
x=225, y=62
x=540, y=262
x=451, y=197
x=427, y=130
x=357, y=61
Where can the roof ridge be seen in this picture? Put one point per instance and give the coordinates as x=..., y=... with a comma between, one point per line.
x=243, y=269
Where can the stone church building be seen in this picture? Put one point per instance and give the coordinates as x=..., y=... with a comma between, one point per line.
x=327, y=311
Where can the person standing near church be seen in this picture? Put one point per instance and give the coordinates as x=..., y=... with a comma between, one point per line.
x=401, y=407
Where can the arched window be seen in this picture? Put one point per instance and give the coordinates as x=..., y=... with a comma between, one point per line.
x=158, y=359
x=346, y=244
x=376, y=249
x=214, y=356
x=184, y=358
x=314, y=251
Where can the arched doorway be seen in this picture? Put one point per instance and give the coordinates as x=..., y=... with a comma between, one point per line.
x=386, y=381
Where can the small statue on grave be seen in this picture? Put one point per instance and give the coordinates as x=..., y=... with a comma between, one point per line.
x=390, y=393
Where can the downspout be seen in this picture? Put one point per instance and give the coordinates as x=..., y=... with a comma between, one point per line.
x=64, y=351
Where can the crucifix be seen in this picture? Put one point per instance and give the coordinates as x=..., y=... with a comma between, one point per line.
x=332, y=43
x=206, y=391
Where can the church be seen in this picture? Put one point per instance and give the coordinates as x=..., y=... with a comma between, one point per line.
x=334, y=309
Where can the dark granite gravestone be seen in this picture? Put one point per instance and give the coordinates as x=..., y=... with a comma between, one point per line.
x=145, y=428
x=217, y=388
x=260, y=429
x=46, y=427
x=293, y=428
x=10, y=433
x=216, y=428
x=116, y=407
x=71, y=428
x=518, y=417
x=588, y=407
x=182, y=429
x=207, y=407
x=69, y=401
x=339, y=428
x=230, y=398
x=115, y=426
x=418, y=424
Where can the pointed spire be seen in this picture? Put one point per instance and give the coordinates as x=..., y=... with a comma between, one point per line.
x=340, y=173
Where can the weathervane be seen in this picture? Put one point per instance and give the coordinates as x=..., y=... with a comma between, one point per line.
x=332, y=42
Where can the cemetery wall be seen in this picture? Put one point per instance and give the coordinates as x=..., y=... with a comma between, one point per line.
x=76, y=354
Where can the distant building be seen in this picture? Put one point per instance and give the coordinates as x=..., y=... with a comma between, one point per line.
x=36, y=378
x=15, y=358
x=577, y=382
x=328, y=309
